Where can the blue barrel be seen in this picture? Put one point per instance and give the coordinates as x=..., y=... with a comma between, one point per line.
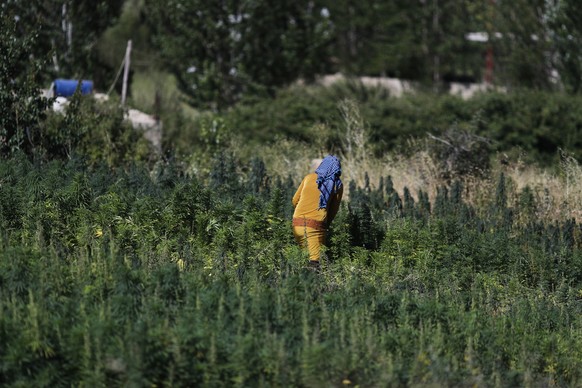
x=68, y=87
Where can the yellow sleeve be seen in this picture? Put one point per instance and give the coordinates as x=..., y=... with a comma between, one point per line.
x=334, y=205
x=297, y=195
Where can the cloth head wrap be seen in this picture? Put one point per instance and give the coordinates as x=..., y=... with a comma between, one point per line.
x=328, y=179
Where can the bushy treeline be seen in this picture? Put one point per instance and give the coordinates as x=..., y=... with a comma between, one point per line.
x=222, y=52
x=536, y=122
x=150, y=276
x=533, y=123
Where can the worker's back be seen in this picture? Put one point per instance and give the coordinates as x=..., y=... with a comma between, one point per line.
x=307, y=200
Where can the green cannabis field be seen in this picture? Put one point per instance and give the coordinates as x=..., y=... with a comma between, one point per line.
x=455, y=259
x=148, y=274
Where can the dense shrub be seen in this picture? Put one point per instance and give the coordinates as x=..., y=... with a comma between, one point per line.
x=531, y=122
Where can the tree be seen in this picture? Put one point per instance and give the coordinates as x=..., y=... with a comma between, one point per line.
x=566, y=23
x=69, y=31
x=420, y=40
x=447, y=54
x=21, y=103
x=523, y=47
x=354, y=32
x=221, y=50
x=88, y=20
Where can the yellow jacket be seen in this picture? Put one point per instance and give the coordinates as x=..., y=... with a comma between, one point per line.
x=306, y=201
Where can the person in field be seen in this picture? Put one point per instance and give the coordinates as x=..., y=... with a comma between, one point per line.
x=316, y=203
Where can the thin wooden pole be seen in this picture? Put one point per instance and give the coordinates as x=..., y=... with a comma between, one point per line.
x=125, y=73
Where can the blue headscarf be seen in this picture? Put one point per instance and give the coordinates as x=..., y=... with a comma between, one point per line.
x=328, y=178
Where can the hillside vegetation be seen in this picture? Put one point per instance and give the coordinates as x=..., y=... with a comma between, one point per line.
x=455, y=258
x=119, y=267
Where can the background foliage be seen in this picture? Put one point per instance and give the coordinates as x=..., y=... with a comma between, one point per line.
x=534, y=43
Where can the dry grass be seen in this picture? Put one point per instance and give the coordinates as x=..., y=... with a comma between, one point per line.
x=288, y=158
x=415, y=173
x=558, y=195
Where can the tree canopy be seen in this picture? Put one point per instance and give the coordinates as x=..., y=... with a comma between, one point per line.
x=222, y=51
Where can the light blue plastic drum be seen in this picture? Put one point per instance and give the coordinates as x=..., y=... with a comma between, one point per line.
x=68, y=87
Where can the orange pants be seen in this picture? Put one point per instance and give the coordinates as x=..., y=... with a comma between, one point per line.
x=311, y=239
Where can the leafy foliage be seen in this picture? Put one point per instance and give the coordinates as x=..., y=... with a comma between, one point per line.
x=423, y=41
x=533, y=123
x=67, y=31
x=567, y=28
x=118, y=276
x=220, y=51
x=22, y=106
